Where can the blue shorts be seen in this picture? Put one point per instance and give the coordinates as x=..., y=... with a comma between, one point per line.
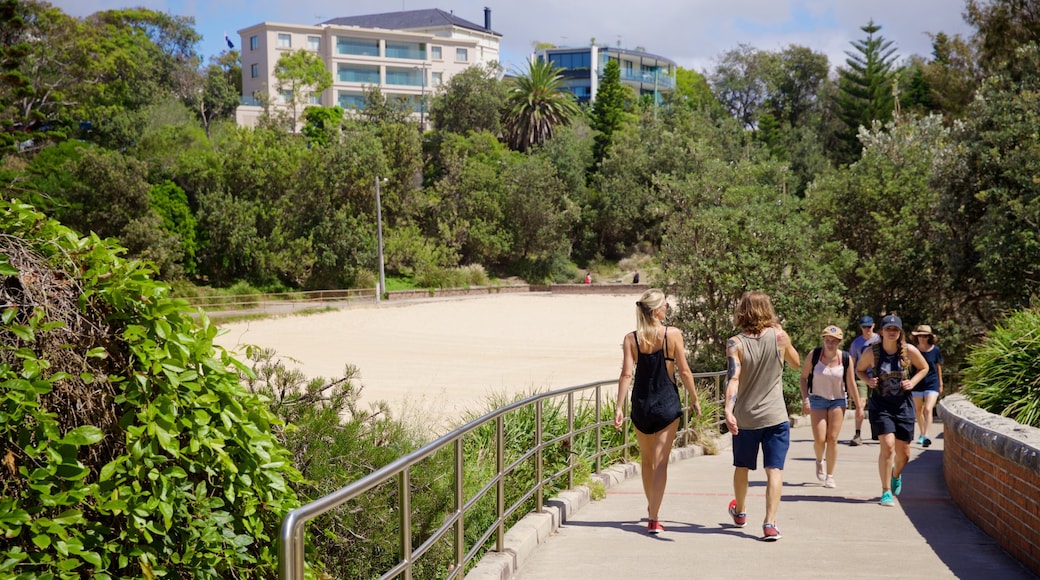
x=774, y=441
x=818, y=403
x=923, y=394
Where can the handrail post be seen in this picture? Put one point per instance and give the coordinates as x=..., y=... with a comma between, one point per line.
x=538, y=476
x=500, y=508
x=405, y=492
x=460, y=500
x=570, y=440
x=599, y=431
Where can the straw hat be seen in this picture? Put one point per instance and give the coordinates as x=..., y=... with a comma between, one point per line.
x=923, y=330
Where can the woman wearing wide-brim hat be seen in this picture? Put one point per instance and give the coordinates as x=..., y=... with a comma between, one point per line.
x=928, y=391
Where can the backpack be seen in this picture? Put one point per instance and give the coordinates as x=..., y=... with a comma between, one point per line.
x=846, y=360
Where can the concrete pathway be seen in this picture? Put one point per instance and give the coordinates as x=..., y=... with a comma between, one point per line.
x=827, y=533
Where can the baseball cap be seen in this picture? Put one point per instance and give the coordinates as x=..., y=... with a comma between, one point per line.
x=923, y=330
x=833, y=331
x=891, y=320
x=866, y=321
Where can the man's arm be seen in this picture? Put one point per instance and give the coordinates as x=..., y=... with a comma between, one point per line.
x=732, y=381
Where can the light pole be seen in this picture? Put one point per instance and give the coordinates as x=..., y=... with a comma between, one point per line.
x=379, y=236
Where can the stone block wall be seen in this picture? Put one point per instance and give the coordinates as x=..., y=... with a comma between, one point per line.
x=991, y=465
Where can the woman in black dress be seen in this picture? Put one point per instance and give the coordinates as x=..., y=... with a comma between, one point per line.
x=656, y=354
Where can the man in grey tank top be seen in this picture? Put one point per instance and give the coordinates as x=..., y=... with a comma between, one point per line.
x=756, y=414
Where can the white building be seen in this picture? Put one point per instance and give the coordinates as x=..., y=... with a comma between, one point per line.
x=406, y=54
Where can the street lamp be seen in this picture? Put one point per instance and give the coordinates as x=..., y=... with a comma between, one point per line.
x=379, y=236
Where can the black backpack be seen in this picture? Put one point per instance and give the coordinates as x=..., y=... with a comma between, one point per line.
x=846, y=360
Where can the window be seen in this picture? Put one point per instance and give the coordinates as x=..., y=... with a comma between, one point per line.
x=435, y=53
x=254, y=70
x=314, y=99
x=357, y=73
x=571, y=60
x=284, y=40
x=461, y=55
x=438, y=78
x=286, y=95
x=314, y=43
x=410, y=77
x=357, y=46
x=254, y=42
x=348, y=101
x=412, y=50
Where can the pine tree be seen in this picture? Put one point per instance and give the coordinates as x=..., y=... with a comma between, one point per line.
x=608, y=110
x=865, y=88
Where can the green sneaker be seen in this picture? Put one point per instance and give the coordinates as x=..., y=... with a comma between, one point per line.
x=897, y=484
x=887, y=499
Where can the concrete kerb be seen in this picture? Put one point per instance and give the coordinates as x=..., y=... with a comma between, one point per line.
x=535, y=528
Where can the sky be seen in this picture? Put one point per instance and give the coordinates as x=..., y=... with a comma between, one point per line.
x=693, y=33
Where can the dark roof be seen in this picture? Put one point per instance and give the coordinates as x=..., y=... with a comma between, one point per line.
x=408, y=20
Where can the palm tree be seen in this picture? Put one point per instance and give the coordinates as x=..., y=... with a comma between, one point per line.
x=536, y=105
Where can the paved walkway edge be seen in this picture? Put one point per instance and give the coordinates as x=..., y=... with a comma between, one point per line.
x=535, y=528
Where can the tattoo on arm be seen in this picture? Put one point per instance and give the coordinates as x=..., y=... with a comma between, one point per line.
x=733, y=367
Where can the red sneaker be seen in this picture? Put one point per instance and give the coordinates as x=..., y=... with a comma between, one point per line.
x=739, y=520
x=654, y=527
x=770, y=533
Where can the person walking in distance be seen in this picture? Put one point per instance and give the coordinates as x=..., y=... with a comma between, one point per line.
x=657, y=354
x=756, y=414
x=930, y=389
x=867, y=337
x=891, y=407
x=827, y=382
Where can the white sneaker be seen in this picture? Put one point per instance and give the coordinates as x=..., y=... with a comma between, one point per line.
x=830, y=482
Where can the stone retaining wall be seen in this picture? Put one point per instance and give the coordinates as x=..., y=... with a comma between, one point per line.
x=992, y=468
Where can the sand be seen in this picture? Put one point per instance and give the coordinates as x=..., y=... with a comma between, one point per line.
x=441, y=358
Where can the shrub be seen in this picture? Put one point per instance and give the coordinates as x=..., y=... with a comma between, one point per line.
x=130, y=449
x=1003, y=372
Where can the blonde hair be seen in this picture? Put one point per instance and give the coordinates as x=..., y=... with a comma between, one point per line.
x=754, y=312
x=650, y=301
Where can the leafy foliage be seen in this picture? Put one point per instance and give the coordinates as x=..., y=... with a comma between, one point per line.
x=131, y=450
x=865, y=89
x=1003, y=373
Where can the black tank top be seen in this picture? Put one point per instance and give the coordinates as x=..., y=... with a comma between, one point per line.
x=655, y=397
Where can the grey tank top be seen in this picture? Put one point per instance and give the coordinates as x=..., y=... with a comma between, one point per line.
x=760, y=398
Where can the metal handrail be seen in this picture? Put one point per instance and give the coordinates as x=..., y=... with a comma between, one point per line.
x=291, y=536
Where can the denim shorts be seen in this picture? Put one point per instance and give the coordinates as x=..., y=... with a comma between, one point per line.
x=923, y=394
x=774, y=441
x=818, y=403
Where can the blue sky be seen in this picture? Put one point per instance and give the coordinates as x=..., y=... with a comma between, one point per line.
x=691, y=32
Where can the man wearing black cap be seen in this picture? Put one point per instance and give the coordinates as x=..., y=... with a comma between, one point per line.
x=866, y=338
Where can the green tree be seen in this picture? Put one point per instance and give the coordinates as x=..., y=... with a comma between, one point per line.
x=471, y=101
x=952, y=75
x=865, y=89
x=691, y=89
x=608, y=111
x=991, y=197
x=731, y=228
x=1002, y=26
x=536, y=106
x=740, y=82
x=300, y=74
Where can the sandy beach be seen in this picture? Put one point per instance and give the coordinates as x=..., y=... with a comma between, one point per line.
x=444, y=357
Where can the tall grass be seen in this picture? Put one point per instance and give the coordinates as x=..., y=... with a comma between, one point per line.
x=1003, y=371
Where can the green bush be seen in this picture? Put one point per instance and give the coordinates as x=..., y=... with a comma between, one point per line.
x=1003, y=372
x=130, y=448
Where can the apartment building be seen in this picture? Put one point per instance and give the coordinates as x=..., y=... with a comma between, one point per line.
x=648, y=74
x=406, y=54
